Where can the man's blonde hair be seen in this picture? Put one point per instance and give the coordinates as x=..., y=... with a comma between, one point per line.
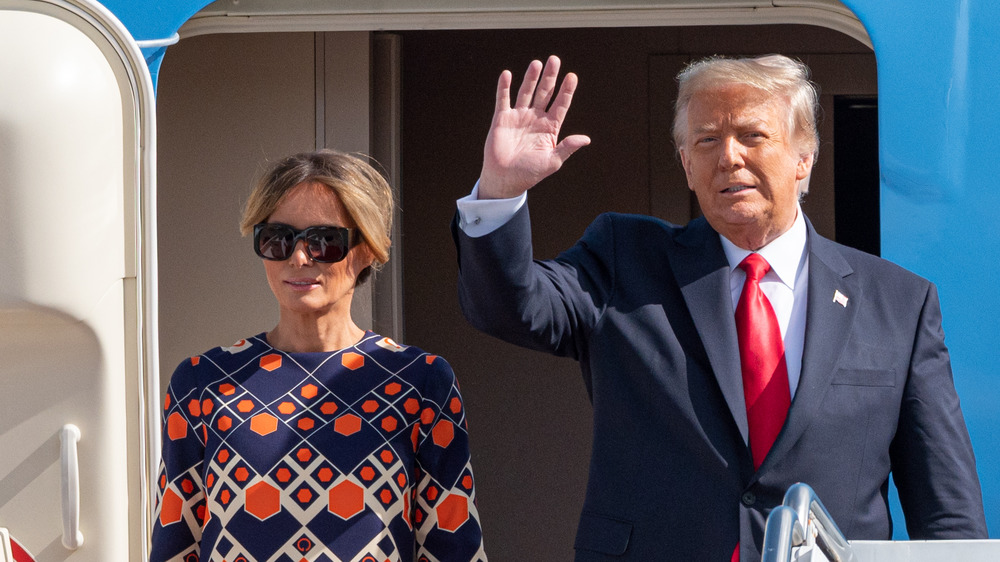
x=776, y=75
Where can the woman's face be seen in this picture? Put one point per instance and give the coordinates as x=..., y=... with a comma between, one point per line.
x=304, y=286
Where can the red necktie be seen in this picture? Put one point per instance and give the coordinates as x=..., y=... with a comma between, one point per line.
x=762, y=359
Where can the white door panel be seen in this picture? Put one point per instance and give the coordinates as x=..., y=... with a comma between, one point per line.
x=69, y=309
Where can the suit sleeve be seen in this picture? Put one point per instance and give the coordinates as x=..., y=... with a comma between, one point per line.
x=549, y=305
x=932, y=460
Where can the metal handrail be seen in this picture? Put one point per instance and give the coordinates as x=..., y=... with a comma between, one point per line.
x=801, y=518
x=782, y=532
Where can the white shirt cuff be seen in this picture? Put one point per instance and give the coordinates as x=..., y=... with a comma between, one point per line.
x=479, y=217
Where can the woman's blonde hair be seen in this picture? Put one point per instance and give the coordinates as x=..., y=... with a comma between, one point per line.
x=362, y=190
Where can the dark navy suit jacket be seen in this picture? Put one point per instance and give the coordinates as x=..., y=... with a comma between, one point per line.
x=645, y=308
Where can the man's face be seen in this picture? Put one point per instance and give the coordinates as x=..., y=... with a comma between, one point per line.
x=742, y=163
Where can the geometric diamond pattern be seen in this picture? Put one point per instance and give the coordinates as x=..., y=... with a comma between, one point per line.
x=358, y=454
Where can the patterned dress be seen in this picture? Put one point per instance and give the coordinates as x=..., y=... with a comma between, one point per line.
x=356, y=455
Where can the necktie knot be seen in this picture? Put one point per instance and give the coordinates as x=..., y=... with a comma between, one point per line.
x=755, y=266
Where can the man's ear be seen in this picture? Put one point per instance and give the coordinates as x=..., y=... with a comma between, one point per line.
x=804, y=166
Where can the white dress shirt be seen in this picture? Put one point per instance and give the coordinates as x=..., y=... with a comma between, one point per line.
x=479, y=217
x=784, y=285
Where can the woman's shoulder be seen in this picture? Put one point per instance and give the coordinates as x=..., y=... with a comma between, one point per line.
x=398, y=357
x=253, y=345
x=195, y=370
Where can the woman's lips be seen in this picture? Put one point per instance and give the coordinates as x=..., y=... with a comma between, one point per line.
x=301, y=284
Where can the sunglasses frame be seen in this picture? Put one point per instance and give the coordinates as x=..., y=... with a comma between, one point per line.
x=348, y=240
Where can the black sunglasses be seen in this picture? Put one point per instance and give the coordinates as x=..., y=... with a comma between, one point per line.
x=326, y=244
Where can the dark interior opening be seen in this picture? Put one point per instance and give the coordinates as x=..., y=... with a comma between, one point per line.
x=855, y=172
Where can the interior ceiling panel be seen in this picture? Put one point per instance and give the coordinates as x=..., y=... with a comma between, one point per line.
x=234, y=16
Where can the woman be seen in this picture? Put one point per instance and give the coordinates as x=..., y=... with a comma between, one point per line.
x=317, y=440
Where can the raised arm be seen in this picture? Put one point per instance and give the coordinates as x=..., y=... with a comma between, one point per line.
x=523, y=146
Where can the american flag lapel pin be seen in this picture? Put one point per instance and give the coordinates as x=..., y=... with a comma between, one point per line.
x=840, y=298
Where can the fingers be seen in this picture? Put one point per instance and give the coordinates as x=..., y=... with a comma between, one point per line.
x=569, y=145
x=543, y=94
x=564, y=98
x=527, y=90
x=503, y=92
x=538, y=87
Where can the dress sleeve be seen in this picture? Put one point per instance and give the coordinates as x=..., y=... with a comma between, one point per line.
x=446, y=518
x=180, y=509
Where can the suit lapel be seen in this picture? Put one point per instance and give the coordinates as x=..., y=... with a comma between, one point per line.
x=702, y=272
x=828, y=325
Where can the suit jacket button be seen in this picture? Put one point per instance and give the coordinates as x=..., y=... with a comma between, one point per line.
x=748, y=499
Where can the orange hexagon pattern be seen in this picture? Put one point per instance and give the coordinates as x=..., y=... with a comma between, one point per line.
x=443, y=433
x=262, y=500
x=347, y=499
x=258, y=396
x=412, y=405
x=283, y=475
x=303, y=454
x=270, y=362
x=303, y=495
x=309, y=391
x=177, y=426
x=171, y=507
x=453, y=512
x=353, y=361
x=367, y=473
x=264, y=424
x=347, y=424
x=427, y=416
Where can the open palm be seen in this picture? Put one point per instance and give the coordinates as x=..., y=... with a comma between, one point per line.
x=523, y=146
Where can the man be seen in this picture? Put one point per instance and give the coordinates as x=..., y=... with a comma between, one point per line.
x=732, y=357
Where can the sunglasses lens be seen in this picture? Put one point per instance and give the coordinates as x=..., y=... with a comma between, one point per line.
x=327, y=244
x=275, y=242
